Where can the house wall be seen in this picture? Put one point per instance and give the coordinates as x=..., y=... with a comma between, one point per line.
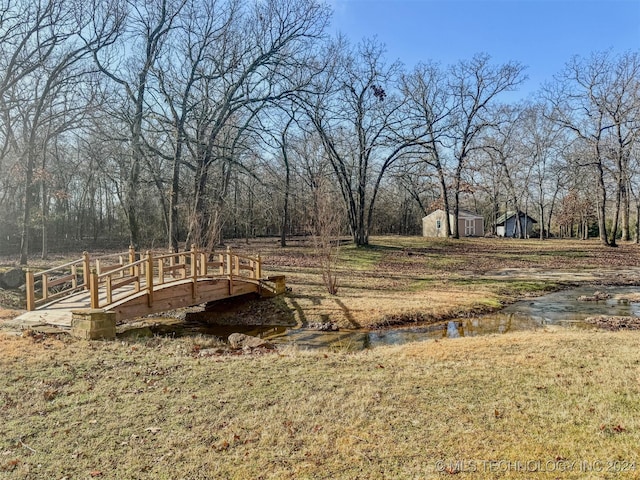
x=430, y=222
x=511, y=227
x=429, y=225
x=478, y=230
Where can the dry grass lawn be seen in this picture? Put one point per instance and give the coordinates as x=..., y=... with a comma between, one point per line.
x=404, y=279
x=538, y=401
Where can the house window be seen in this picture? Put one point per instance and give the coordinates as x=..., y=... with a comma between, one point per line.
x=438, y=224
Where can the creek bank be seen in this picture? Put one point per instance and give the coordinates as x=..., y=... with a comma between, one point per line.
x=614, y=323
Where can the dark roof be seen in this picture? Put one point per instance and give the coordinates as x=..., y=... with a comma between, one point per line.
x=506, y=216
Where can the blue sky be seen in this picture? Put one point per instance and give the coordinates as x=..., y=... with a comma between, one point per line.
x=541, y=34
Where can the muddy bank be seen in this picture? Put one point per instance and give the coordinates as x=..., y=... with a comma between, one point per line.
x=614, y=323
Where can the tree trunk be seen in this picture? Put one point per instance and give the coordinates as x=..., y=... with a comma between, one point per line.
x=601, y=205
x=285, y=207
x=637, y=222
x=26, y=212
x=625, y=205
x=445, y=199
x=616, y=217
x=173, y=199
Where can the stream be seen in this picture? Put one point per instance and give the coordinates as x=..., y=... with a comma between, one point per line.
x=559, y=308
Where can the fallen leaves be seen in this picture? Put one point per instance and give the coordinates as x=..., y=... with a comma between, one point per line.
x=612, y=429
x=10, y=466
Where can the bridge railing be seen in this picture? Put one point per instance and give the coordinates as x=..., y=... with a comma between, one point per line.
x=57, y=282
x=117, y=276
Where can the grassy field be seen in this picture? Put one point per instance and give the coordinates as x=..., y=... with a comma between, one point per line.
x=510, y=406
x=403, y=279
x=554, y=403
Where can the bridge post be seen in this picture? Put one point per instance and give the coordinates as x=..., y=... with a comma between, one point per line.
x=132, y=259
x=258, y=270
x=31, y=295
x=230, y=270
x=86, y=266
x=194, y=271
x=93, y=289
x=203, y=264
x=149, y=274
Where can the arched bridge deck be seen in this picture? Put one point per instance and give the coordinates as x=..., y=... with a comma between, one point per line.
x=133, y=285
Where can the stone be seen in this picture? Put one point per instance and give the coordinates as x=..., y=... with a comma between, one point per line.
x=93, y=324
x=324, y=327
x=596, y=297
x=13, y=279
x=240, y=340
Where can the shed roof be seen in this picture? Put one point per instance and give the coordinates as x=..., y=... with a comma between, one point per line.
x=506, y=216
x=461, y=214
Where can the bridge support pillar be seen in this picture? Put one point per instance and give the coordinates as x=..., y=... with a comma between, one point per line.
x=93, y=324
x=279, y=286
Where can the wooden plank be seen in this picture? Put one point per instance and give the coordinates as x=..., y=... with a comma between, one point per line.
x=61, y=280
x=122, y=283
x=55, y=296
x=177, y=295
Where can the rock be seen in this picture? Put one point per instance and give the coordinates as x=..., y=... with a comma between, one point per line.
x=240, y=340
x=13, y=278
x=135, y=332
x=324, y=327
x=614, y=323
x=596, y=297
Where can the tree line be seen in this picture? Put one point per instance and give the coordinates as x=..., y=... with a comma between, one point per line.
x=170, y=122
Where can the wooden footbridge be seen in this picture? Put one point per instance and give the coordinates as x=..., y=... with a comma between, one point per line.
x=134, y=285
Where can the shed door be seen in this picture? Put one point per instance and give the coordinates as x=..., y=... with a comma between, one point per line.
x=469, y=227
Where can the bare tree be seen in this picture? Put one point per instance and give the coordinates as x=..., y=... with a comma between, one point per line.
x=622, y=105
x=428, y=105
x=45, y=48
x=148, y=25
x=358, y=118
x=325, y=230
x=474, y=85
x=596, y=100
x=543, y=145
x=200, y=29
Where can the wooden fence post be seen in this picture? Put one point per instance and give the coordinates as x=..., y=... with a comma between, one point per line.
x=194, y=271
x=203, y=264
x=160, y=271
x=45, y=286
x=132, y=258
x=86, y=265
x=230, y=270
x=93, y=289
x=258, y=270
x=74, y=280
x=31, y=295
x=149, y=272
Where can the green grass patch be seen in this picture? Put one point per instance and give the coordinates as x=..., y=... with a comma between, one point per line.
x=362, y=258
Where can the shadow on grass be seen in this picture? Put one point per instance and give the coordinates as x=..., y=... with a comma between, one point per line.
x=324, y=317
x=347, y=313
